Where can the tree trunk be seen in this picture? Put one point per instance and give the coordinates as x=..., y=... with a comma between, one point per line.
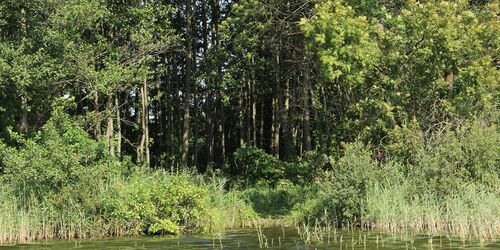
x=140, y=120
x=275, y=138
x=110, y=127
x=188, y=81
x=195, y=124
x=97, y=130
x=23, y=127
x=306, y=140
x=241, y=114
x=145, y=117
x=254, y=106
x=118, y=127
x=143, y=150
x=261, y=124
x=169, y=133
x=286, y=140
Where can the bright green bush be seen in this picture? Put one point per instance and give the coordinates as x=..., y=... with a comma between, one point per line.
x=62, y=155
x=467, y=154
x=157, y=203
x=64, y=184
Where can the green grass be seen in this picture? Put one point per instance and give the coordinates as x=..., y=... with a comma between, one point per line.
x=471, y=213
x=147, y=202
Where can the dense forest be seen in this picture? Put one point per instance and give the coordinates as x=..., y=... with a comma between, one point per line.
x=122, y=117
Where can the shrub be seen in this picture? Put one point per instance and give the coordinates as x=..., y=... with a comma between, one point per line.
x=255, y=165
x=61, y=155
x=157, y=203
x=276, y=201
x=467, y=154
x=342, y=191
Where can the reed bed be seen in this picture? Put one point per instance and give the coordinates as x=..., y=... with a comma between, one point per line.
x=472, y=213
x=42, y=222
x=104, y=214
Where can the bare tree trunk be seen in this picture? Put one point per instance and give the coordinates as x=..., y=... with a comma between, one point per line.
x=169, y=133
x=306, y=119
x=254, y=106
x=118, y=127
x=195, y=124
x=287, y=144
x=449, y=78
x=275, y=140
x=145, y=118
x=188, y=81
x=261, y=125
x=97, y=130
x=241, y=115
x=23, y=127
x=143, y=150
x=110, y=127
x=140, y=120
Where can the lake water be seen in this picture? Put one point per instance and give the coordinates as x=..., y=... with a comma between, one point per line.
x=248, y=239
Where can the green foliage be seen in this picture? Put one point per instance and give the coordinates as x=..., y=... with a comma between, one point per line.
x=277, y=201
x=227, y=208
x=342, y=191
x=157, y=203
x=254, y=165
x=65, y=178
x=405, y=62
x=468, y=212
x=62, y=155
x=449, y=177
x=383, y=113
x=469, y=153
x=343, y=42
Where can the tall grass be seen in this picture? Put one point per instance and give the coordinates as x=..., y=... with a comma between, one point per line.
x=26, y=221
x=149, y=202
x=471, y=213
x=228, y=210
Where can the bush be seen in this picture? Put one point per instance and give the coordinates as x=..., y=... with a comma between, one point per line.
x=227, y=209
x=61, y=155
x=342, y=191
x=471, y=211
x=467, y=154
x=255, y=165
x=447, y=181
x=276, y=201
x=157, y=203
x=63, y=184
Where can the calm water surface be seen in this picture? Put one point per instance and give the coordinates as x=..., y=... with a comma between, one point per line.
x=248, y=239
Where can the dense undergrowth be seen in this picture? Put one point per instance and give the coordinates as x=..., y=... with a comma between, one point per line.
x=63, y=184
x=440, y=182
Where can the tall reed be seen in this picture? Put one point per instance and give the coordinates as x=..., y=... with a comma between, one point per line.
x=472, y=213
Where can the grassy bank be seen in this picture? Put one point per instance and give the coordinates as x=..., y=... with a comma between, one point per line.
x=444, y=185
x=63, y=184
x=472, y=212
x=146, y=202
